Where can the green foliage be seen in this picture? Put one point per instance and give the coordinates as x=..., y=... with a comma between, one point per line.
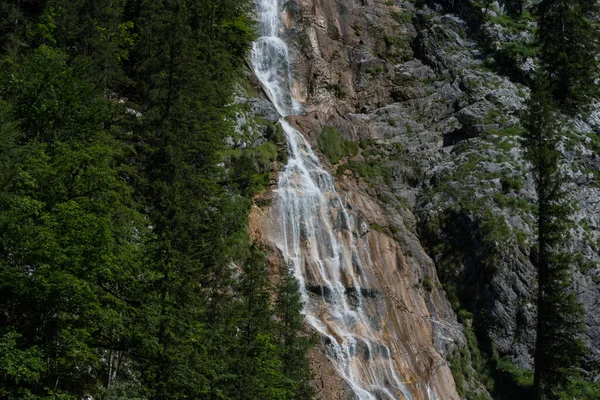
x=124, y=390
x=428, y=283
x=398, y=49
x=457, y=369
x=259, y=371
x=252, y=167
x=59, y=103
x=334, y=147
x=508, y=60
x=522, y=377
x=558, y=348
x=401, y=17
x=368, y=169
x=375, y=70
x=364, y=144
x=511, y=183
x=19, y=366
x=123, y=213
x=377, y=228
x=338, y=90
x=578, y=388
x=568, y=39
x=515, y=23
x=68, y=235
x=509, y=381
x=469, y=367
x=296, y=345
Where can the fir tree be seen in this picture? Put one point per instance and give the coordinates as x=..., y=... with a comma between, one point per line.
x=121, y=215
x=559, y=316
x=569, y=46
x=296, y=343
x=259, y=372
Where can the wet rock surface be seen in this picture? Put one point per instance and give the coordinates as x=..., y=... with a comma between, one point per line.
x=439, y=167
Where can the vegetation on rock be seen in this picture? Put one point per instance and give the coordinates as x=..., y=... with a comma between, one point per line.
x=489, y=178
x=334, y=146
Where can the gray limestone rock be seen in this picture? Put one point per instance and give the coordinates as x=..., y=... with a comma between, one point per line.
x=446, y=129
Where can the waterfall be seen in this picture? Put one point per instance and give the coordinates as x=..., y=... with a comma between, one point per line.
x=316, y=237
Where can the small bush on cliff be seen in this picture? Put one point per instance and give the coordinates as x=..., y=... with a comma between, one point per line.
x=366, y=169
x=428, y=283
x=401, y=17
x=334, y=146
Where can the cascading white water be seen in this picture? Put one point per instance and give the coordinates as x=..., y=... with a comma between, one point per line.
x=316, y=238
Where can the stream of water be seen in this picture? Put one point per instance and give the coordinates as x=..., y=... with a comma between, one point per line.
x=316, y=237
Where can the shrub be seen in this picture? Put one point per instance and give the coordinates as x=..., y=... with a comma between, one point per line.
x=377, y=228
x=368, y=169
x=401, y=17
x=511, y=183
x=366, y=143
x=334, y=147
x=428, y=283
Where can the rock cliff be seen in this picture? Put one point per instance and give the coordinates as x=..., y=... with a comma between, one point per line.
x=435, y=111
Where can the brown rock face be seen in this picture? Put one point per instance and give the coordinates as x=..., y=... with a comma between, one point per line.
x=343, y=51
x=336, y=46
x=426, y=118
x=410, y=316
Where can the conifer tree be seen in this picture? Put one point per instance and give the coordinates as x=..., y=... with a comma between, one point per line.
x=121, y=218
x=559, y=316
x=259, y=371
x=569, y=46
x=295, y=343
x=69, y=240
x=515, y=7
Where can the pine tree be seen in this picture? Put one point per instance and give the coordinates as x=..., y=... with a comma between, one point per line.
x=470, y=10
x=296, y=344
x=559, y=316
x=195, y=215
x=70, y=249
x=259, y=369
x=122, y=214
x=569, y=46
x=515, y=7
